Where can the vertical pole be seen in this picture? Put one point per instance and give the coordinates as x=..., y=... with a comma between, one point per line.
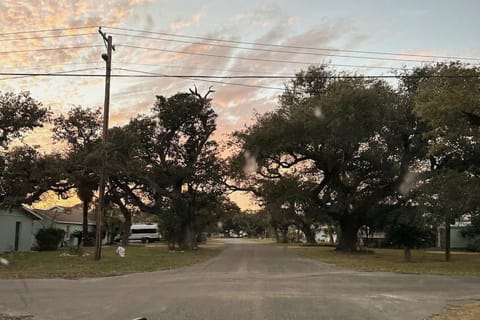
x=101, y=191
x=448, y=220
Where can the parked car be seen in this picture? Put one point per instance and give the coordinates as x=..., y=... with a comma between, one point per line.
x=144, y=232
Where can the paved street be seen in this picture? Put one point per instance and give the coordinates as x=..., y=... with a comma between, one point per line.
x=247, y=281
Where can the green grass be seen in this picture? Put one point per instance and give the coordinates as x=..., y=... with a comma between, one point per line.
x=391, y=260
x=261, y=240
x=139, y=258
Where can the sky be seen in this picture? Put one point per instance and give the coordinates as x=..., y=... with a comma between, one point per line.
x=438, y=28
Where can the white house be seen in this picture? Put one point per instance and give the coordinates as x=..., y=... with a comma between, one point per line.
x=17, y=229
x=18, y=226
x=69, y=219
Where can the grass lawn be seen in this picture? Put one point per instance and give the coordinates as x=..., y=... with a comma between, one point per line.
x=260, y=240
x=466, y=312
x=391, y=260
x=138, y=258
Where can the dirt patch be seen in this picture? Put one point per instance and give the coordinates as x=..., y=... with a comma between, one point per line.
x=465, y=312
x=7, y=317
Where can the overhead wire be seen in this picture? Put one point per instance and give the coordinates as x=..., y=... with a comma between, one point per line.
x=193, y=68
x=50, y=49
x=160, y=75
x=18, y=75
x=295, y=47
x=275, y=51
x=244, y=58
x=47, y=30
x=40, y=66
x=204, y=78
x=48, y=37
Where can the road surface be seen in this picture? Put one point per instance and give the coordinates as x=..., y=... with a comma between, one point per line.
x=246, y=281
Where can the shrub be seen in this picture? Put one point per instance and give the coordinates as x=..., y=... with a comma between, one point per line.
x=49, y=238
x=474, y=245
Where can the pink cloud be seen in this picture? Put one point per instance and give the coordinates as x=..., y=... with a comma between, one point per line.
x=183, y=23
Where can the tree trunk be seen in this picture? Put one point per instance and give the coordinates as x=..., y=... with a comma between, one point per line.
x=126, y=226
x=283, y=234
x=84, y=237
x=347, y=240
x=189, y=241
x=447, y=239
x=309, y=234
x=277, y=235
x=407, y=254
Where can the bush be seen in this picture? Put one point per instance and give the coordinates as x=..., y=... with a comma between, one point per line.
x=474, y=246
x=49, y=238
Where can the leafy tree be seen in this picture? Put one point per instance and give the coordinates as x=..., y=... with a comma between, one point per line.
x=353, y=138
x=290, y=201
x=19, y=114
x=409, y=230
x=447, y=99
x=447, y=195
x=80, y=128
x=176, y=172
x=23, y=171
x=25, y=175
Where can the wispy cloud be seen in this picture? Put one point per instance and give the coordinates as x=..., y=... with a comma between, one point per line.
x=182, y=23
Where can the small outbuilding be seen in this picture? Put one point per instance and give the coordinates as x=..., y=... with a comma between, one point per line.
x=17, y=229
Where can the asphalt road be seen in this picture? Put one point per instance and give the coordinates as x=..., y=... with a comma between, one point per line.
x=246, y=281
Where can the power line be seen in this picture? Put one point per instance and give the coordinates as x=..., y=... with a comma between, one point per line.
x=194, y=68
x=47, y=30
x=57, y=73
x=46, y=37
x=50, y=49
x=203, y=79
x=275, y=51
x=40, y=66
x=159, y=75
x=247, y=71
x=297, y=47
x=244, y=58
x=213, y=76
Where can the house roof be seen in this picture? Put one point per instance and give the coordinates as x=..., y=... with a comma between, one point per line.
x=32, y=214
x=68, y=215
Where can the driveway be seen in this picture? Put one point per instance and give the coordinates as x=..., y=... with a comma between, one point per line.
x=246, y=281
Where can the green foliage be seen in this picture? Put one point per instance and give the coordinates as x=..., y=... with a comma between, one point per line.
x=350, y=139
x=473, y=230
x=80, y=128
x=410, y=235
x=19, y=114
x=232, y=219
x=25, y=175
x=49, y=238
x=474, y=245
x=166, y=164
x=448, y=194
x=443, y=96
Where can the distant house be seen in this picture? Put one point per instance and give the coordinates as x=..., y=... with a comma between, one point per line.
x=69, y=219
x=17, y=229
x=18, y=226
x=457, y=239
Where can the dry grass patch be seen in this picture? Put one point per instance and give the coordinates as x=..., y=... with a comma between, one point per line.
x=466, y=312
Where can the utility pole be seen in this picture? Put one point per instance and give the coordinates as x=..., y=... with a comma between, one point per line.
x=101, y=192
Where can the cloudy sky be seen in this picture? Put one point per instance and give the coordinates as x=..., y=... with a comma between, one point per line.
x=173, y=47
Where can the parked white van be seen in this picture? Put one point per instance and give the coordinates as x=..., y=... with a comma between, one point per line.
x=144, y=232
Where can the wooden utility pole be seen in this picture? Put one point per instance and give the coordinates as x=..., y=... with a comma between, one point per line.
x=101, y=192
